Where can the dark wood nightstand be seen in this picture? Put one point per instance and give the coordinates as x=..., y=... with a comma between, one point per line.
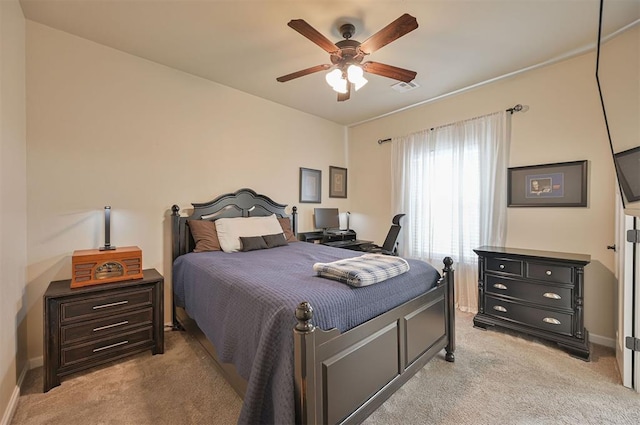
x=88, y=326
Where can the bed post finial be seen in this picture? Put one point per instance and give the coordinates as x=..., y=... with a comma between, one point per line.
x=304, y=314
x=175, y=210
x=448, y=262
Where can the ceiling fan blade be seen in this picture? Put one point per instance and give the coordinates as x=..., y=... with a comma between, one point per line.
x=303, y=72
x=396, y=29
x=345, y=96
x=312, y=34
x=389, y=71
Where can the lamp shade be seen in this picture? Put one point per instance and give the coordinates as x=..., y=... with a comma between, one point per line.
x=355, y=74
x=335, y=80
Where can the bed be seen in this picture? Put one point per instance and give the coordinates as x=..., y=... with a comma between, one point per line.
x=298, y=347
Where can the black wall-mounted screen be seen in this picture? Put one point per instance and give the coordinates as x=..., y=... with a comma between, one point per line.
x=326, y=218
x=628, y=165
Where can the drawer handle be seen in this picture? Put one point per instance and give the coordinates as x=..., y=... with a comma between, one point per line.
x=98, y=307
x=106, y=347
x=501, y=266
x=552, y=295
x=500, y=308
x=499, y=286
x=548, y=272
x=551, y=320
x=101, y=328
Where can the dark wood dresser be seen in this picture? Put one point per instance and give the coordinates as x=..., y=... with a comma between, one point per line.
x=540, y=293
x=88, y=326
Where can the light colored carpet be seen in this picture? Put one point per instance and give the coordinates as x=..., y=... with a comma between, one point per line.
x=499, y=377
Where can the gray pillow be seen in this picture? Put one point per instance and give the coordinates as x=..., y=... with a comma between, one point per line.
x=275, y=240
x=252, y=243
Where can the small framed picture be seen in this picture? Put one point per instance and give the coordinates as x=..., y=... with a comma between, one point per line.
x=310, y=185
x=550, y=185
x=337, y=182
x=628, y=170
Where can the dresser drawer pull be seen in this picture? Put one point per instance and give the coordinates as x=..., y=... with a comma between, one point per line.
x=551, y=320
x=548, y=272
x=500, y=308
x=117, y=344
x=552, y=295
x=101, y=328
x=499, y=286
x=98, y=307
x=501, y=266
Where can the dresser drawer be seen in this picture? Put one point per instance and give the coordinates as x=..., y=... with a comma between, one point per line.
x=547, y=320
x=89, y=308
x=550, y=273
x=504, y=265
x=552, y=296
x=106, y=326
x=106, y=347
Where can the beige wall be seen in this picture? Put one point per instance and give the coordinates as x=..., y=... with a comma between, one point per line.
x=564, y=123
x=13, y=205
x=108, y=128
x=621, y=92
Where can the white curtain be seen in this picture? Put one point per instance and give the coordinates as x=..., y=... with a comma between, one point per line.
x=450, y=182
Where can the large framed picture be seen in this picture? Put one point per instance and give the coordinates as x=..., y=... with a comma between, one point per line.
x=628, y=169
x=337, y=182
x=563, y=184
x=310, y=185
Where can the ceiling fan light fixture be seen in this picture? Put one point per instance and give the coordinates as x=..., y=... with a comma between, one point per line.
x=355, y=74
x=346, y=55
x=336, y=81
x=341, y=86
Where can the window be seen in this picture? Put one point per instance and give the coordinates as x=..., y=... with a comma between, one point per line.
x=451, y=183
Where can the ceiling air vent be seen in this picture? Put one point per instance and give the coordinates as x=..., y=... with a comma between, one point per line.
x=405, y=87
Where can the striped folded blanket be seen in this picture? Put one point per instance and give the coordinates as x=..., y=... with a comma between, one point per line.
x=364, y=270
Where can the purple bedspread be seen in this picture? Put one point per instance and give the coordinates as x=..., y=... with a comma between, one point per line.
x=244, y=302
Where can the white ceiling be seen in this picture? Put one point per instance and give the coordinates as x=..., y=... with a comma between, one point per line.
x=246, y=44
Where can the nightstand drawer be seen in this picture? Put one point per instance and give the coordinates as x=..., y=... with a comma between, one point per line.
x=550, y=273
x=107, y=304
x=504, y=265
x=548, y=320
x=105, y=326
x=106, y=347
x=552, y=296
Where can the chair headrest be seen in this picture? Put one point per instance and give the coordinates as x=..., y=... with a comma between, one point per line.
x=396, y=219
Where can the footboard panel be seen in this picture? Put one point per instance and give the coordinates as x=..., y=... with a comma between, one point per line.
x=349, y=381
x=355, y=372
x=424, y=327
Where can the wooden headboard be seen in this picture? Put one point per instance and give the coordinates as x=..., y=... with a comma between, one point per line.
x=242, y=203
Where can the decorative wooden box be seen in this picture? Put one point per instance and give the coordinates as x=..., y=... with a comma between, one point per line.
x=93, y=267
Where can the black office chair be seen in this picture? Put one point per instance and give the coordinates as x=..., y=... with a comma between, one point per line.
x=389, y=246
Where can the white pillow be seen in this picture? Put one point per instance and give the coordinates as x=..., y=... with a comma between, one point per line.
x=230, y=229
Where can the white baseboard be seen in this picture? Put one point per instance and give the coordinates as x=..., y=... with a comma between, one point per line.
x=36, y=362
x=13, y=402
x=602, y=340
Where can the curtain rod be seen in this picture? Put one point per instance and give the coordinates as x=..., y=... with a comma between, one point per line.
x=512, y=110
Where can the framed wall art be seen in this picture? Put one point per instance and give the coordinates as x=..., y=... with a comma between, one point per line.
x=310, y=185
x=628, y=169
x=562, y=184
x=337, y=182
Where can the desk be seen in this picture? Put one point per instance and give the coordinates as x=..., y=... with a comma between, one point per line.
x=353, y=244
x=344, y=239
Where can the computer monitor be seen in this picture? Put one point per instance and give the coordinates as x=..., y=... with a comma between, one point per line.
x=326, y=218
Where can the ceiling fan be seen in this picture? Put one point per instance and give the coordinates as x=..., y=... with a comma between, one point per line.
x=347, y=55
